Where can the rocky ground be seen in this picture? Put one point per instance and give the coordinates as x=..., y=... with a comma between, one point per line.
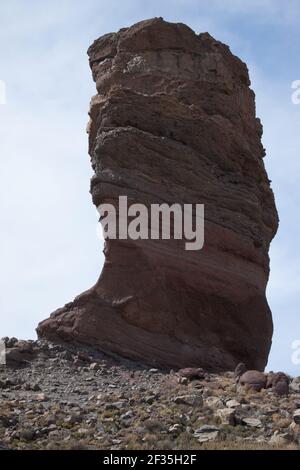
x=57, y=398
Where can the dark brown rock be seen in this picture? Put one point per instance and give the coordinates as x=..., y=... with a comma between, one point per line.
x=254, y=379
x=16, y=357
x=279, y=382
x=18, y=353
x=240, y=370
x=174, y=121
x=275, y=377
x=192, y=373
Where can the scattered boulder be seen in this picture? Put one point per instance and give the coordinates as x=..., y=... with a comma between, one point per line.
x=240, y=370
x=232, y=403
x=281, y=388
x=27, y=434
x=40, y=397
x=296, y=404
x=274, y=377
x=18, y=353
x=118, y=405
x=192, y=373
x=175, y=428
x=18, y=357
x=254, y=379
x=191, y=400
x=280, y=439
x=226, y=415
x=24, y=346
x=207, y=433
x=295, y=385
x=279, y=382
x=214, y=402
x=3, y=384
x=252, y=422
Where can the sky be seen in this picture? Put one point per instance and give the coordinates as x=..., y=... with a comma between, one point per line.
x=49, y=249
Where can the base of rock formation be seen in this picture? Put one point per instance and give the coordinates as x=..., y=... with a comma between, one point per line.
x=53, y=397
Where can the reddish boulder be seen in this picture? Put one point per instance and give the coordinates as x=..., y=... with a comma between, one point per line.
x=281, y=388
x=254, y=379
x=174, y=121
x=275, y=377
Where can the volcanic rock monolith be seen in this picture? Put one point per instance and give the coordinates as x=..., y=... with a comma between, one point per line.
x=174, y=121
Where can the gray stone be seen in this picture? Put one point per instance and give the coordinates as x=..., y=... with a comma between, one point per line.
x=295, y=385
x=226, y=416
x=191, y=400
x=280, y=439
x=27, y=434
x=118, y=405
x=252, y=422
x=254, y=379
x=214, y=402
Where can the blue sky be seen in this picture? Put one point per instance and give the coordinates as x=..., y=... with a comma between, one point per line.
x=49, y=250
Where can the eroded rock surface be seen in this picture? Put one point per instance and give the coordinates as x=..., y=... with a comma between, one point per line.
x=174, y=121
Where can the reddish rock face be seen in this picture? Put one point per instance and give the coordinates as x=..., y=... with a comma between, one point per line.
x=174, y=121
